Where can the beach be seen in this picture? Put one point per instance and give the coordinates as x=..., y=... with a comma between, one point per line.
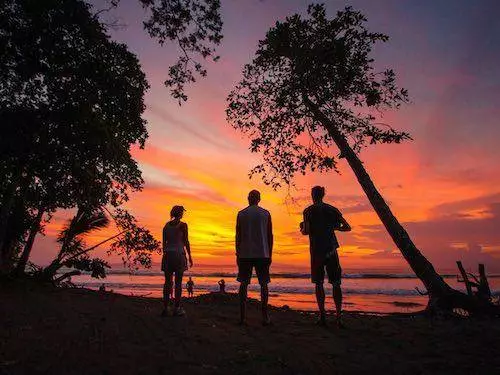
x=48, y=330
x=369, y=291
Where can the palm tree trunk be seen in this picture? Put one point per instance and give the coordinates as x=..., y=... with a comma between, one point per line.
x=35, y=227
x=434, y=283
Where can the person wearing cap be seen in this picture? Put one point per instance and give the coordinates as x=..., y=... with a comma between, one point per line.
x=174, y=262
x=254, y=246
x=320, y=222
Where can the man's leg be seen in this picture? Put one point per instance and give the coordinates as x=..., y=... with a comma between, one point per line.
x=262, y=270
x=264, y=297
x=243, y=301
x=318, y=277
x=167, y=290
x=335, y=278
x=244, y=276
x=320, y=299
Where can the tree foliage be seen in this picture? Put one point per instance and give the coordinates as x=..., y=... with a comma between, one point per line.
x=71, y=105
x=134, y=243
x=195, y=26
x=327, y=61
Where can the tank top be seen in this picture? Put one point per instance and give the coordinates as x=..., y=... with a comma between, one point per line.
x=173, y=238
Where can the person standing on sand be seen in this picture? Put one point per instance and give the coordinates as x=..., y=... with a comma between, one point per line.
x=190, y=287
x=222, y=286
x=174, y=263
x=254, y=246
x=320, y=222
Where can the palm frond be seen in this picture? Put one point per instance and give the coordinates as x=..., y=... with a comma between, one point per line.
x=82, y=223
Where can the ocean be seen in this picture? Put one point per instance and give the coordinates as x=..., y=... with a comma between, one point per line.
x=366, y=292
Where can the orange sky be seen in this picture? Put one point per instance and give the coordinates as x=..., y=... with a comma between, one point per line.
x=444, y=185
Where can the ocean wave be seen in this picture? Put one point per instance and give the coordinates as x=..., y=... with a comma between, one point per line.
x=273, y=288
x=285, y=275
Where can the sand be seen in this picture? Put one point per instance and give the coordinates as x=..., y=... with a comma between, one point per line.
x=45, y=330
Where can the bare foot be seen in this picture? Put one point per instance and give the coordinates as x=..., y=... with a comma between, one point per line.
x=266, y=321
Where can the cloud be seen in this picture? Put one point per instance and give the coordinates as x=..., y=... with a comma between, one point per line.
x=447, y=235
x=204, y=132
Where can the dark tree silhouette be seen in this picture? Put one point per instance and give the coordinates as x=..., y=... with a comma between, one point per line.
x=71, y=104
x=194, y=25
x=313, y=85
x=132, y=242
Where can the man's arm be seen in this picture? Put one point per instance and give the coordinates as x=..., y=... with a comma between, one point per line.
x=343, y=224
x=304, y=226
x=163, y=238
x=238, y=235
x=270, y=237
x=187, y=245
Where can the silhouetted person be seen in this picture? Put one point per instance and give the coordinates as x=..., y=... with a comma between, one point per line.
x=320, y=222
x=254, y=246
x=222, y=286
x=190, y=287
x=102, y=288
x=174, y=262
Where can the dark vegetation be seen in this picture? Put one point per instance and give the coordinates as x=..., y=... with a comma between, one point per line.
x=311, y=96
x=71, y=105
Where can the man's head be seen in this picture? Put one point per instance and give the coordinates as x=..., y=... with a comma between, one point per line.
x=177, y=212
x=317, y=194
x=253, y=197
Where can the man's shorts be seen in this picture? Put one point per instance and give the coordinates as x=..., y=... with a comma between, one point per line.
x=174, y=262
x=261, y=265
x=320, y=263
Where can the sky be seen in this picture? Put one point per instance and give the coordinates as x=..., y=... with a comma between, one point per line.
x=444, y=186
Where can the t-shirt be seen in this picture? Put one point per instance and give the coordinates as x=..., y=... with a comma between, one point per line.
x=323, y=219
x=253, y=223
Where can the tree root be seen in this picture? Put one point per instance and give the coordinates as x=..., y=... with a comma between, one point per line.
x=454, y=303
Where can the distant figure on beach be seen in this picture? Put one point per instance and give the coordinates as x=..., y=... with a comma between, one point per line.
x=254, y=246
x=102, y=288
x=320, y=222
x=174, y=262
x=222, y=286
x=190, y=287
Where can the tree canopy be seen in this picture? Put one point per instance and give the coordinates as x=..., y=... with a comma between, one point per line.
x=71, y=105
x=320, y=60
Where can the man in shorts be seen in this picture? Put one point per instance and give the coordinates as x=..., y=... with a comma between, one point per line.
x=320, y=222
x=254, y=246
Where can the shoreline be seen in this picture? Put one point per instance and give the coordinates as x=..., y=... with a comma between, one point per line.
x=80, y=331
x=373, y=295
x=273, y=306
x=404, y=307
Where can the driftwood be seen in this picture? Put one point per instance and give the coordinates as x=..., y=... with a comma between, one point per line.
x=483, y=291
x=483, y=288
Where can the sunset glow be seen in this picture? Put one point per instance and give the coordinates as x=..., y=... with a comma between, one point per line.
x=444, y=185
